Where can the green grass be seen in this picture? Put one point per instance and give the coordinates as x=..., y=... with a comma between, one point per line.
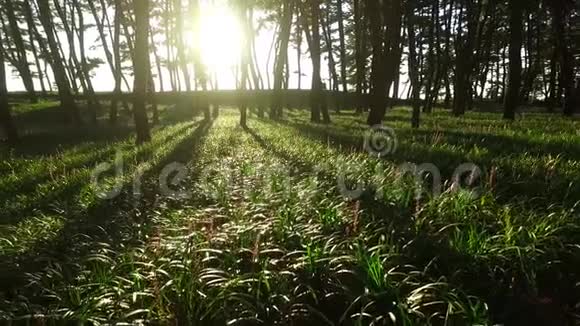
x=266, y=236
x=24, y=107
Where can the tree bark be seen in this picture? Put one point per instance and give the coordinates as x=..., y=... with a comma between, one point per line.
x=6, y=121
x=142, y=69
x=341, y=35
x=331, y=62
x=552, y=101
x=281, y=57
x=560, y=19
x=360, y=52
x=93, y=103
x=116, y=67
x=32, y=33
x=65, y=95
x=378, y=78
x=515, y=65
x=317, y=107
x=386, y=44
x=22, y=62
x=244, y=61
x=464, y=53
x=178, y=34
x=413, y=66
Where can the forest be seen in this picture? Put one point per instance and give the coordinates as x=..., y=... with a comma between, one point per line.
x=289, y=162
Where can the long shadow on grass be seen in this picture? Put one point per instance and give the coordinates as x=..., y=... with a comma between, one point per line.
x=373, y=209
x=470, y=274
x=60, y=197
x=31, y=174
x=44, y=131
x=55, y=139
x=367, y=199
x=118, y=222
x=537, y=190
x=499, y=145
x=501, y=281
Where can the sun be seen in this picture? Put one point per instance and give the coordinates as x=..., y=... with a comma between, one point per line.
x=219, y=38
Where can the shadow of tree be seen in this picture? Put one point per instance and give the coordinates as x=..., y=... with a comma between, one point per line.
x=472, y=274
x=539, y=187
x=61, y=196
x=118, y=222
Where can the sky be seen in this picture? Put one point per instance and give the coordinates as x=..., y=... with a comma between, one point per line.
x=220, y=44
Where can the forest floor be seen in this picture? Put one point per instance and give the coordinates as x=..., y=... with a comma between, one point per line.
x=290, y=222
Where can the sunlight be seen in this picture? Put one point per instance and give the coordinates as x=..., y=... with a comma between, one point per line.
x=219, y=38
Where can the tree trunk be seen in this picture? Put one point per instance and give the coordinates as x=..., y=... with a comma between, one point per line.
x=141, y=68
x=157, y=61
x=430, y=87
x=65, y=95
x=331, y=62
x=5, y=116
x=178, y=34
x=378, y=78
x=515, y=65
x=560, y=18
x=117, y=71
x=281, y=57
x=93, y=103
x=464, y=61
x=31, y=36
x=316, y=94
x=360, y=52
x=552, y=101
x=201, y=76
x=244, y=60
x=386, y=44
x=413, y=66
x=75, y=69
x=341, y=35
x=299, y=51
x=22, y=62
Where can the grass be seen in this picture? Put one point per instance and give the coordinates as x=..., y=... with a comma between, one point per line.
x=265, y=234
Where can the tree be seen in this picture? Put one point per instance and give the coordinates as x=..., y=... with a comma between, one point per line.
x=178, y=35
x=5, y=116
x=560, y=17
x=515, y=65
x=56, y=62
x=413, y=65
x=316, y=95
x=464, y=46
x=94, y=104
x=360, y=50
x=32, y=38
x=281, y=57
x=342, y=39
x=244, y=59
x=21, y=61
x=116, y=67
x=142, y=69
x=385, y=30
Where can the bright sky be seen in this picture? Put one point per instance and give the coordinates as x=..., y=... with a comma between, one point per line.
x=219, y=43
